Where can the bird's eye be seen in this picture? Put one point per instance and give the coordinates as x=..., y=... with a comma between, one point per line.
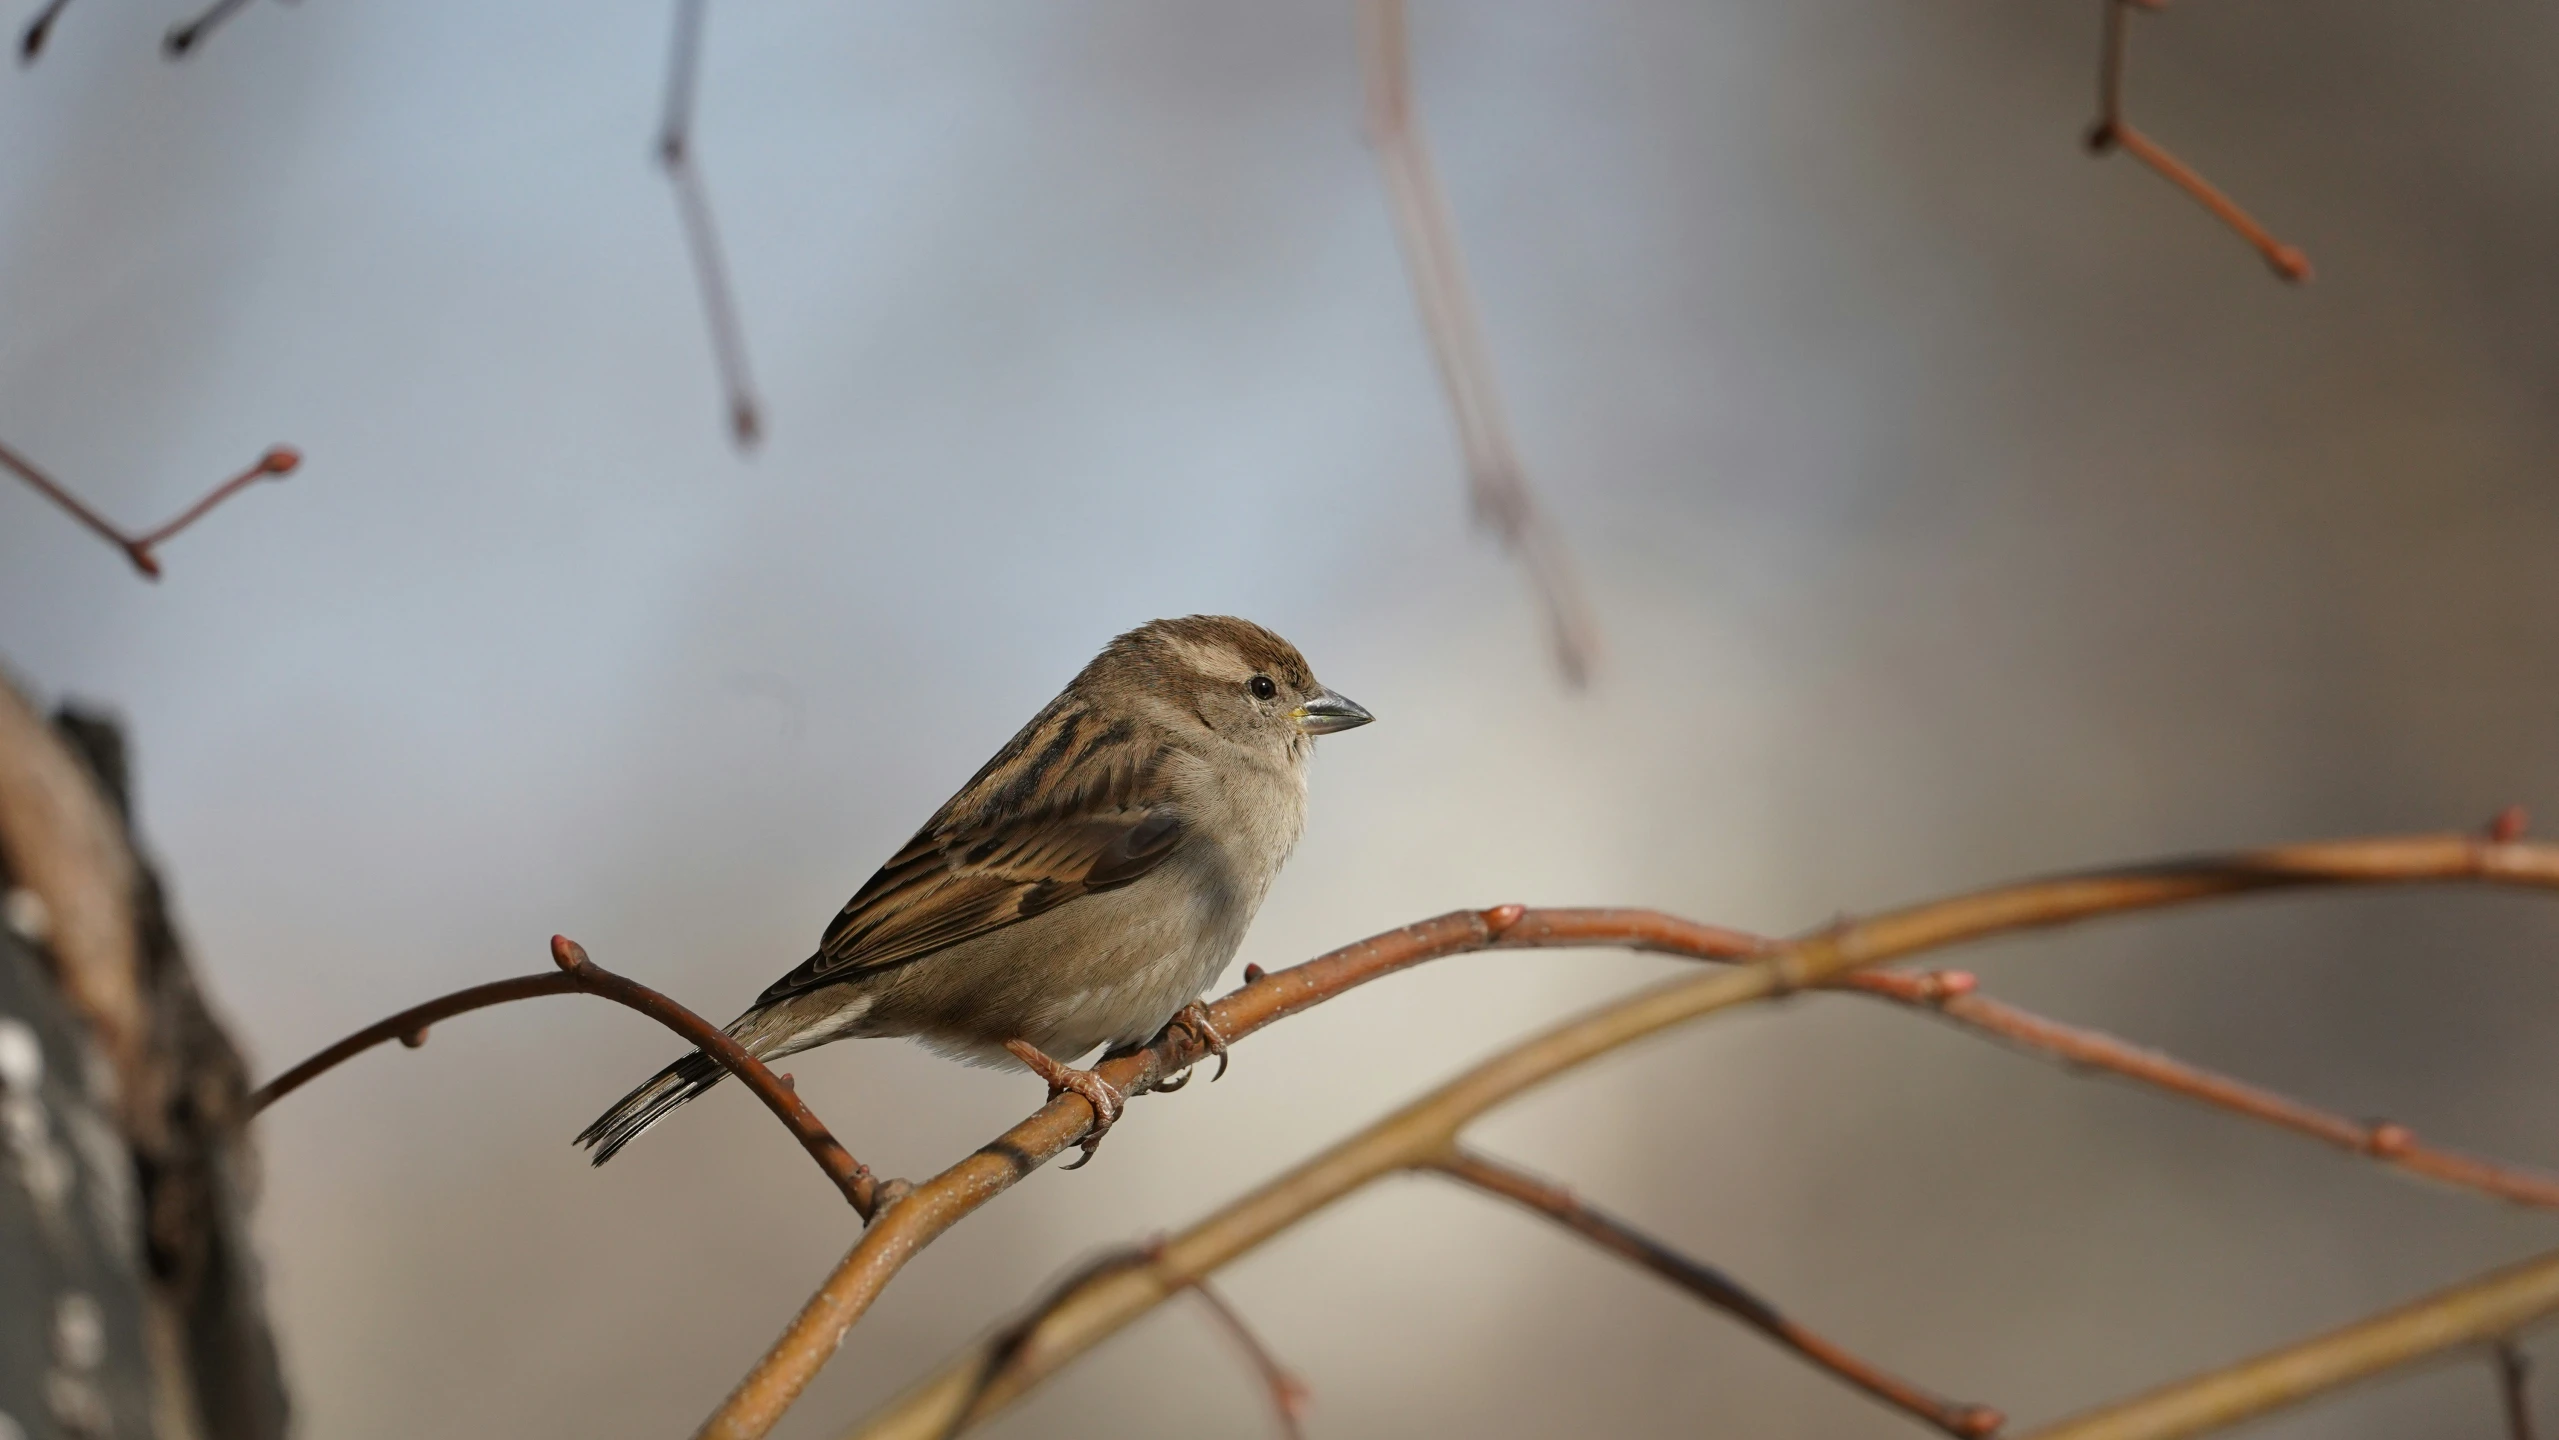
x=1262, y=687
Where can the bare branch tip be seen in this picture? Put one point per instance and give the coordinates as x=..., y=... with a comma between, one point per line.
x=280, y=460
x=1979, y=1421
x=31, y=40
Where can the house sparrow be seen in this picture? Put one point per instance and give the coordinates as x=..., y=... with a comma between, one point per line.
x=1082, y=889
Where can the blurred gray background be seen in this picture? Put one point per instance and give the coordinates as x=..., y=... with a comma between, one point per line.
x=1956, y=506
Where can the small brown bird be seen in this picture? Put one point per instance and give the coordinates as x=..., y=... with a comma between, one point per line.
x=1081, y=890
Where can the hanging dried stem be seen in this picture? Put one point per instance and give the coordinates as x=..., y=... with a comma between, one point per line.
x=1423, y=1132
x=1713, y=1286
x=2484, y=1310
x=279, y=461
x=2514, y=1389
x=1495, y=476
x=2112, y=129
x=578, y=974
x=31, y=40
x=701, y=237
x=184, y=36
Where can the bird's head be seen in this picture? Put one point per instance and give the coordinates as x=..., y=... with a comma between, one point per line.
x=1228, y=679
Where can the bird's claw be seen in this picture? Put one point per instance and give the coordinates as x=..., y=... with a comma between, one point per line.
x=1194, y=1018
x=1067, y=1080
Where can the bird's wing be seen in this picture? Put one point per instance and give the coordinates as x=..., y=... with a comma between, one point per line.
x=1044, y=823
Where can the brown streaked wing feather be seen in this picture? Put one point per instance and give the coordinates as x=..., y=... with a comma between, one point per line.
x=984, y=862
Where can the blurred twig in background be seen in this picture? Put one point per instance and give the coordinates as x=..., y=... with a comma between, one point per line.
x=2514, y=1389
x=279, y=461
x=2112, y=129
x=1561, y=1205
x=701, y=238
x=1494, y=475
x=184, y=36
x=31, y=40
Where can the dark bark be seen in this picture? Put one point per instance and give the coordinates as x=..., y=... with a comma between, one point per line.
x=130, y=1301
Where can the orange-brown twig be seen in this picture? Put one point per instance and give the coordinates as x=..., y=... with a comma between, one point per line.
x=579, y=974
x=1561, y=1205
x=1421, y=1132
x=1951, y=994
x=2112, y=129
x=279, y=461
x=1495, y=476
x=701, y=237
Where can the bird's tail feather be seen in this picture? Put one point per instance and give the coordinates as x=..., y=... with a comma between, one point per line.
x=649, y=1104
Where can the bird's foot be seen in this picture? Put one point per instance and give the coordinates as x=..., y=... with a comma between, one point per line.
x=1194, y=1018
x=1066, y=1079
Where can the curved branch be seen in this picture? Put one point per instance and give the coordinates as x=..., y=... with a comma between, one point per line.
x=1713, y=1286
x=2484, y=1310
x=1425, y=1130
x=580, y=975
x=701, y=236
x=409, y=1027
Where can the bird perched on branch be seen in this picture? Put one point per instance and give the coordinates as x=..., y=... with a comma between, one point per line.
x=1081, y=890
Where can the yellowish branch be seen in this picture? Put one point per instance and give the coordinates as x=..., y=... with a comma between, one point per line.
x=2483, y=1311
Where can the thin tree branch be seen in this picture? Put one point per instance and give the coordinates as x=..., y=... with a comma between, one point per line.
x=184, y=36
x=701, y=237
x=1286, y=1392
x=31, y=40
x=279, y=461
x=1425, y=1129
x=2514, y=1388
x=409, y=1027
x=865, y=1192
x=1715, y=1288
x=2483, y=1310
x=1950, y=994
x=1495, y=476
x=2112, y=129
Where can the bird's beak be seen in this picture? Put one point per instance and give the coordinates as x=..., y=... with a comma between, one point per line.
x=1329, y=712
